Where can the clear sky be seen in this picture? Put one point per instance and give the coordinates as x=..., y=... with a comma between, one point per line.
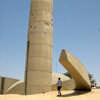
x=76, y=29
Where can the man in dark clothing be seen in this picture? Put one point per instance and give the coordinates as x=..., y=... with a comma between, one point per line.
x=59, y=86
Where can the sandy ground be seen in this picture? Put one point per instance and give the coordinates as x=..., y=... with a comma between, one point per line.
x=66, y=95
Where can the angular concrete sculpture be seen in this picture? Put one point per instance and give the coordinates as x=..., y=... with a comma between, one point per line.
x=76, y=70
x=38, y=72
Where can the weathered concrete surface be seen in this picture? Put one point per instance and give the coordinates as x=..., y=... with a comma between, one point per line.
x=16, y=88
x=39, y=47
x=55, y=77
x=66, y=85
x=5, y=83
x=76, y=70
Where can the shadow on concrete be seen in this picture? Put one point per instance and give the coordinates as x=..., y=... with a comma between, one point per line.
x=76, y=93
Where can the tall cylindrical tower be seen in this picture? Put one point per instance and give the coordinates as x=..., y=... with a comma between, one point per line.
x=39, y=47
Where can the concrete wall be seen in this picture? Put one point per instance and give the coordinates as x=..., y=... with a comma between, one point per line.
x=16, y=88
x=5, y=83
x=39, y=47
x=76, y=70
x=67, y=83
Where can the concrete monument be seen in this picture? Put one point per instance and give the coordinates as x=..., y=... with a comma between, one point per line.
x=38, y=71
x=76, y=70
x=39, y=47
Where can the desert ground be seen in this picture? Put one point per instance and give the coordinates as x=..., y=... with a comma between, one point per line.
x=66, y=95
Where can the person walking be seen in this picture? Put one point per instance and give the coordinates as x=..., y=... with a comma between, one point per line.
x=59, y=86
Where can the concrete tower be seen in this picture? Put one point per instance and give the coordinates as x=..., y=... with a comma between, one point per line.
x=39, y=47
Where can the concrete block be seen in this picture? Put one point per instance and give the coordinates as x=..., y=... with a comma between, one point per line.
x=76, y=70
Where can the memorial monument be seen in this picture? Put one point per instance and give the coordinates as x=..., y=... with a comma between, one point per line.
x=39, y=47
x=38, y=71
x=76, y=70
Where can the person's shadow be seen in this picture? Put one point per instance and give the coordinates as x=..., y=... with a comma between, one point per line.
x=76, y=93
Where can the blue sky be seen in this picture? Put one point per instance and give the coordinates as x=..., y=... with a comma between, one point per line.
x=76, y=29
